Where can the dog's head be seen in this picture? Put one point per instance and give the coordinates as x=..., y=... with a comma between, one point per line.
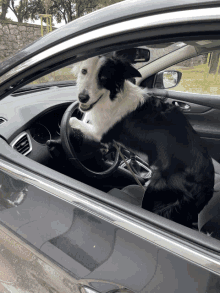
x=100, y=76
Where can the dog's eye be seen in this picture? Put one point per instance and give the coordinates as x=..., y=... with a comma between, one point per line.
x=84, y=71
x=103, y=77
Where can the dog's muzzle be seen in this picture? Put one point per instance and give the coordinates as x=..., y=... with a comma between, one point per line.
x=86, y=108
x=83, y=98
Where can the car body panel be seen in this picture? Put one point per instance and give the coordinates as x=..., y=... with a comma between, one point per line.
x=53, y=235
x=76, y=231
x=24, y=269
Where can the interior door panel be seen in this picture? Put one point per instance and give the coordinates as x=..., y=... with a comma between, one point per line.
x=203, y=114
x=191, y=107
x=204, y=118
x=211, y=101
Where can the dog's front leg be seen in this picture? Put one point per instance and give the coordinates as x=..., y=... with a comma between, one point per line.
x=86, y=136
x=86, y=129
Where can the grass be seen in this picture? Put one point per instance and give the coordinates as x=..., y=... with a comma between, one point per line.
x=197, y=79
x=58, y=75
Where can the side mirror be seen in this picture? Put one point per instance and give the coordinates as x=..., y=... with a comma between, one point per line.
x=167, y=79
x=134, y=55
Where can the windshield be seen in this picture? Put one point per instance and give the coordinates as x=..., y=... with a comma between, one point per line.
x=160, y=50
x=65, y=73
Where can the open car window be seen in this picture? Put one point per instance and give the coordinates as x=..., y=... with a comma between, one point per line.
x=63, y=74
x=200, y=74
x=66, y=74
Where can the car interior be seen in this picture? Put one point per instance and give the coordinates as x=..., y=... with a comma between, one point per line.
x=40, y=106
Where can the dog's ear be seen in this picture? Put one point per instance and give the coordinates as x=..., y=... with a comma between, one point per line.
x=129, y=71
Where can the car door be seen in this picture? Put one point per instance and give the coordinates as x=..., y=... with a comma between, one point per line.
x=56, y=239
x=102, y=243
x=198, y=96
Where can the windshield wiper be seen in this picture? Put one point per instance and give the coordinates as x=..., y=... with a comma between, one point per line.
x=42, y=87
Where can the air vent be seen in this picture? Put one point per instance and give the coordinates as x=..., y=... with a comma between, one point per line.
x=2, y=120
x=22, y=144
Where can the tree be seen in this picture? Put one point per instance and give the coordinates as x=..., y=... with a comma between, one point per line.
x=21, y=11
x=37, y=7
x=47, y=4
x=85, y=6
x=68, y=10
x=213, y=66
x=104, y=3
x=63, y=10
x=4, y=5
x=28, y=9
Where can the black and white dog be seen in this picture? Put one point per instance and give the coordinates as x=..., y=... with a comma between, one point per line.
x=183, y=174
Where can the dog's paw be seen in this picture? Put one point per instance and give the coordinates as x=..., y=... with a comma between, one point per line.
x=84, y=128
x=75, y=123
x=80, y=125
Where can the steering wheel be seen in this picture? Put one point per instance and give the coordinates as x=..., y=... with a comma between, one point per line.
x=67, y=135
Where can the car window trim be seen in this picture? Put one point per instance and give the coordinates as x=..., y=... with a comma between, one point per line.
x=186, y=250
x=212, y=101
x=161, y=63
x=170, y=18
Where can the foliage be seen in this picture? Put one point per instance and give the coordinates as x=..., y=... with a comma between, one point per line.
x=28, y=9
x=63, y=10
x=21, y=11
x=47, y=4
x=66, y=10
x=4, y=5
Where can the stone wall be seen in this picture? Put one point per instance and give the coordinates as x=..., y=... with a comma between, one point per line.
x=15, y=36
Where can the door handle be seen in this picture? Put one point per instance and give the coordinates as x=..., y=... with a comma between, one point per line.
x=182, y=106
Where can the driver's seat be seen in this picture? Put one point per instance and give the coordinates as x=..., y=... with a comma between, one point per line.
x=208, y=218
x=131, y=193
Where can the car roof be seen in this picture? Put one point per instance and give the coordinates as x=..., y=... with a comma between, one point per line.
x=121, y=11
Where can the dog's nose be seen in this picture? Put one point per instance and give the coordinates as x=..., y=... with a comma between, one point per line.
x=83, y=98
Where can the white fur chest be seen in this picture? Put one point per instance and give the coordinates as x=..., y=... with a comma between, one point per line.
x=107, y=113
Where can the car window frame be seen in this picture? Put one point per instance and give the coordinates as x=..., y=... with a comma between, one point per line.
x=123, y=31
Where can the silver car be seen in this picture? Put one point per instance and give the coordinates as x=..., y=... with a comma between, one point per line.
x=62, y=230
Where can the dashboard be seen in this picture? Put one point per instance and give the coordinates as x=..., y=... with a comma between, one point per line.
x=32, y=116
x=32, y=141
x=48, y=126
